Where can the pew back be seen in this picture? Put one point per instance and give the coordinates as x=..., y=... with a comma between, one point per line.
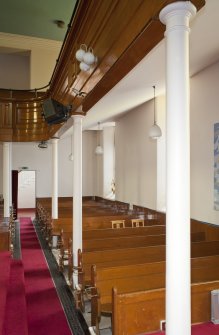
x=141, y=312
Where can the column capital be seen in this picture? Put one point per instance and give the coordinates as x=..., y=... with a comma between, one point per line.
x=179, y=9
x=6, y=144
x=55, y=139
x=77, y=118
x=78, y=112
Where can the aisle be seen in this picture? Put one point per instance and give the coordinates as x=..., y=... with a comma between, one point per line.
x=44, y=311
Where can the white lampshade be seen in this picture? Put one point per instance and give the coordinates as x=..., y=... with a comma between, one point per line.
x=89, y=58
x=80, y=54
x=84, y=67
x=155, y=132
x=99, y=150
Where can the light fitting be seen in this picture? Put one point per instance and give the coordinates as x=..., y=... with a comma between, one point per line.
x=43, y=145
x=155, y=131
x=99, y=149
x=60, y=23
x=84, y=67
x=86, y=57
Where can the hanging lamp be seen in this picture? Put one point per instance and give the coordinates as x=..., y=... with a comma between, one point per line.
x=99, y=149
x=155, y=131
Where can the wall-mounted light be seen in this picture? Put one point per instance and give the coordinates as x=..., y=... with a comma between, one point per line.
x=155, y=131
x=86, y=57
x=99, y=149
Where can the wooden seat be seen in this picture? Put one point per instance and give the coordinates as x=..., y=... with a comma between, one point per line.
x=116, y=224
x=137, y=223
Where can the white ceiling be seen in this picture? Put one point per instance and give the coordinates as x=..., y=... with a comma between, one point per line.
x=136, y=87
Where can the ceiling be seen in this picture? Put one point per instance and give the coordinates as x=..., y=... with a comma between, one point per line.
x=36, y=18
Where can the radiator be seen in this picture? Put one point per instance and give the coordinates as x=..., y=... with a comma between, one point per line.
x=215, y=306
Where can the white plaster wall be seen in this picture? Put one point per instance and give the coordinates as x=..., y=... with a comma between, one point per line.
x=204, y=113
x=45, y=60
x=108, y=161
x=89, y=178
x=28, y=154
x=15, y=71
x=26, y=189
x=161, y=154
x=98, y=159
x=136, y=158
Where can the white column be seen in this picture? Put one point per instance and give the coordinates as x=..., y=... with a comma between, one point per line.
x=55, y=178
x=77, y=190
x=6, y=178
x=176, y=16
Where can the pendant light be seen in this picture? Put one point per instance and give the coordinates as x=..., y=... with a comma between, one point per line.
x=99, y=149
x=71, y=157
x=155, y=131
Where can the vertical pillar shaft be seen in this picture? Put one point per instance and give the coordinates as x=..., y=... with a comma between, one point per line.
x=55, y=178
x=6, y=178
x=176, y=16
x=77, y=190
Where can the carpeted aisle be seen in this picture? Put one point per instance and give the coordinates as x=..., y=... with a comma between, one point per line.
x=4, y=283
x=44, y=311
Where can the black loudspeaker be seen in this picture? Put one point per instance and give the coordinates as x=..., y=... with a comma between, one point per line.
x=54, y=112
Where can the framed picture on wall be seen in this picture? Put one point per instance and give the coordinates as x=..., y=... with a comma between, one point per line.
x=216, y=166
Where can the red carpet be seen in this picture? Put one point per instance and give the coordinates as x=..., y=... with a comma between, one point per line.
x=207, y=328
x=15, y=321
x=44, y=310
x=5, y=261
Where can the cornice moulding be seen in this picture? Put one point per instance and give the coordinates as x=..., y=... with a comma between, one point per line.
x=28, y=42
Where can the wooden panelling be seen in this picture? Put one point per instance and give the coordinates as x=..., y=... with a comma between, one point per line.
x=120, y=32
x=6, y=115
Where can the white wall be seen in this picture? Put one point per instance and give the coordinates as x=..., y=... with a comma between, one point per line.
x=89, y=163
x=98, y=164
x=108, y=161
x=41, y=61
x=136, y=158
x=28, y=154
x=26, y=189
x=161, y=154
x=204, y=113
x=45, y=60
x=15, y=71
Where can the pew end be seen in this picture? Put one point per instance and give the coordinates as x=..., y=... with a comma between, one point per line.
x=141, y=312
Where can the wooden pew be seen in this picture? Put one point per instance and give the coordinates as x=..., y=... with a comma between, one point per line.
x=118, y=242
x=4, y=238
x=151, y=308
x=128, y=231
x=52, y=227
x=139, y=277
x=119, y=257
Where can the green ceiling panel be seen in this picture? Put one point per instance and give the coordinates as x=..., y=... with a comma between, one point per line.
x=36, y=17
